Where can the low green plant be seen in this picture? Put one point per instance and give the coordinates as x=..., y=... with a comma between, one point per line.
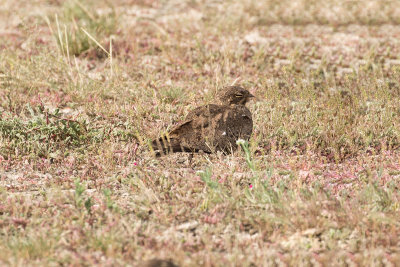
x=108, y=201
x=206, y=177
x=80, y=199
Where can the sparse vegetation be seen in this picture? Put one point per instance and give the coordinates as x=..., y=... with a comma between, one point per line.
x=84, y=86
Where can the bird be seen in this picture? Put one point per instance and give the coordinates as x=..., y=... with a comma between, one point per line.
x=211, y=128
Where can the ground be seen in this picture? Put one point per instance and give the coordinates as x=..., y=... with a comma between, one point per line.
x=85, y=85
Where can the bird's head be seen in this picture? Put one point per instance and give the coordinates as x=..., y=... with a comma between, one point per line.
x=234, y=95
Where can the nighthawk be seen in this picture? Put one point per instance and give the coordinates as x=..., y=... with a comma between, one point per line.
x=211, y=128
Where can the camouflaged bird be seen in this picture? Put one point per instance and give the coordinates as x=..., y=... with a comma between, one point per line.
x=211, y=128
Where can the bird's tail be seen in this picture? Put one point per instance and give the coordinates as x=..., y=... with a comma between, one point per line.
x=168, y=144
x=165, y=145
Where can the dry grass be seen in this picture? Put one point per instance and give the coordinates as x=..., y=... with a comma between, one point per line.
x=318, y=184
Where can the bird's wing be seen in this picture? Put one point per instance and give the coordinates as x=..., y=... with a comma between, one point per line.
x=181, y=127
x=198, y=118
x=192, y=134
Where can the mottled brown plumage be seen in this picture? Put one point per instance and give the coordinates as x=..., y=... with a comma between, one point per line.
x=211, y=128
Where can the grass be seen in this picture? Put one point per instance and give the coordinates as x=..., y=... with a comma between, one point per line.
x=84, y=86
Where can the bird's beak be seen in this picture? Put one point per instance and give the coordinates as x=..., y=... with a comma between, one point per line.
x=250, y=96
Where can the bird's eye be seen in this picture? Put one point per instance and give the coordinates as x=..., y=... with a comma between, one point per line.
x=239, y=95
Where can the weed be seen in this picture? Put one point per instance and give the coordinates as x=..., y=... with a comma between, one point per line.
x=206, y=177
x=108, y=201
x=245, y=146
x=78, y=19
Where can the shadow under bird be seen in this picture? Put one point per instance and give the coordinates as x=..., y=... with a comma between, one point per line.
x=211, y=128
x=158, y=263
